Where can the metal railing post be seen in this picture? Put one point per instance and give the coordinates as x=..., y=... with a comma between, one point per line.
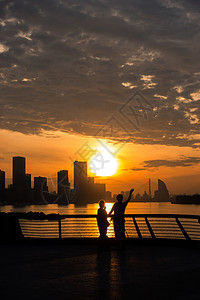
x=150, y=228
x=182, y=229
x=137, y=228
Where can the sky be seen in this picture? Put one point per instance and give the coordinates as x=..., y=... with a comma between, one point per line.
x=122, y=75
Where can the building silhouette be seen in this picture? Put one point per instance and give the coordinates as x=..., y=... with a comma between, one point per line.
x=40, y=184
x=20, y=192
x=28, y=181
x=99, y=191
x=19, y=169
x=87, y=191
x=162, y=194
x=40, y=191
x=81, y=182
x=2, y=181
x=80, y=174
x=62, y=182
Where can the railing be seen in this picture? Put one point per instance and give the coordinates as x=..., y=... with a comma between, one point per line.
x=141, y=226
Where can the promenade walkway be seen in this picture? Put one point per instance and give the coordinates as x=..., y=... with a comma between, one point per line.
x=74, y=271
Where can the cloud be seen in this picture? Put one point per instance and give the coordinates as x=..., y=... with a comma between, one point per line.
x=135, y=169
x=183, y=162
x=70, y=66
x=150, y=165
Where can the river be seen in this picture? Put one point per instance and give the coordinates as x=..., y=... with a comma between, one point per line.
x=133, y=207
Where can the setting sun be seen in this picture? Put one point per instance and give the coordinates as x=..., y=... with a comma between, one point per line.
x=103, y=163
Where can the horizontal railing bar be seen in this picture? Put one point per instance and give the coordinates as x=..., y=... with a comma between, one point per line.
x=166, y=229
x=193, y=233
x=192, y=229
x=39, y=226
x=43, y=230
x=164, y=221
x=44, y=234
x=65, y=216
x=143, y=222
x=35, y=222
x=191, y=226
x=92, y=229
x=189, y=221
x=169, y=234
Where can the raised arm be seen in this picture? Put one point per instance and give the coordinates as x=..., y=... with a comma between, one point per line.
x=129, y=197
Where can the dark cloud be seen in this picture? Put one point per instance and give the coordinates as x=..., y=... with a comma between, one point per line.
x=150, y=165
x=135, y=169
x=183, y=162
x=69, y=66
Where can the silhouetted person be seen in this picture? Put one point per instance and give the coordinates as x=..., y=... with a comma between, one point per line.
x=118, y=218
x=102, y=219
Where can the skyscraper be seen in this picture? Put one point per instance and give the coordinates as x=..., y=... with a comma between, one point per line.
x=162, y=194
x=99, y=191
x=40, y=190
x=63, y=181
x=40, y=184
x=28, y=181
x=19, y=169
x=81, y=182
x=2, y=180
x=80, y=174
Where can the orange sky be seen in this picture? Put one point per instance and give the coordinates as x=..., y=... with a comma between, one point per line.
x=51, y=152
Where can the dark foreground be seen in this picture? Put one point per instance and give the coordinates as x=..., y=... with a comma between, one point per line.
x=82, y=272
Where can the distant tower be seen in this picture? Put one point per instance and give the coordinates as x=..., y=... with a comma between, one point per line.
x=80, y=174
x=162, y=194
x=82, y=184
x=2, y=180
x=28, y=181
x=63, y=181
x=40, y=184
x=19, y=169
x=149, y=187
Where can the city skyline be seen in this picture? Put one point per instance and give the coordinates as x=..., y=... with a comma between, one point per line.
x=120, y=184
x=84, y=190
x=21, y=191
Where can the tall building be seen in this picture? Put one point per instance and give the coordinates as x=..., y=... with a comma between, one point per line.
x=19, y=169
x=162, y=194
x=2, y=180
x=87, y=191
x=28, y=181
x=63, y=182
x=83, y=185
x=99, y=190
x=40, y=191
x=80, y=174
x=40, y=184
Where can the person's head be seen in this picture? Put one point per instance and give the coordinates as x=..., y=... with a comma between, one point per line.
x=119, y=197
x=101, y=203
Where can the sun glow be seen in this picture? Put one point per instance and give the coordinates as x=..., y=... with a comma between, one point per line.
x=103, y=163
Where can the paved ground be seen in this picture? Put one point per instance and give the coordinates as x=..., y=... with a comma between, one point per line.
x=83, y=272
